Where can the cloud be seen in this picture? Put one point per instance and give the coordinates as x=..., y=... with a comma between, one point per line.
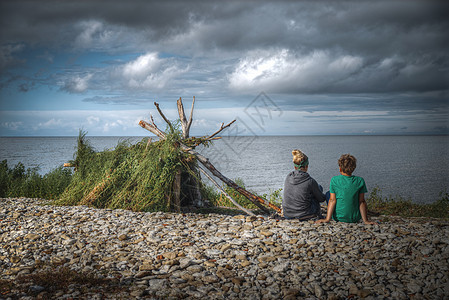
x=91, y=33
x=7, y=55
x=148, y=71
x=283, y=71
x=52, y=123
x=311, y=56
x=12, y=126
x=116, y=100
x=77, y=83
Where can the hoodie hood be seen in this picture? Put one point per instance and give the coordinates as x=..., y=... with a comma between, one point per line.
x=297, y=177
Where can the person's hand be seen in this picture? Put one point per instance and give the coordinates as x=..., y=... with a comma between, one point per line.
x=370, y=223
x=321, y=221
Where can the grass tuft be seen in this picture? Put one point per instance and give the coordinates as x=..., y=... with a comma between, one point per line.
x=399, y=206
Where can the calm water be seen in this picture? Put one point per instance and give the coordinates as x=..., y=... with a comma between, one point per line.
x=415, y=167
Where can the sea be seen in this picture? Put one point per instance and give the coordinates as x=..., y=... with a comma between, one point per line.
x=413, y=167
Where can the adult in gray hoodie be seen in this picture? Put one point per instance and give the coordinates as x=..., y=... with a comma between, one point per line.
x=302, y=194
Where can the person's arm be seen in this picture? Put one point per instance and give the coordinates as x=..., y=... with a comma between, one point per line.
x=330, y=209
x=364, y=209
x=317, y=192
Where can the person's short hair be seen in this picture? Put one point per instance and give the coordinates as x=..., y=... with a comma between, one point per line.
x=347, y=163
x=300, y=159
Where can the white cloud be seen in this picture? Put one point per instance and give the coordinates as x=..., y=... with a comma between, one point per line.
x=284, y=71
x=12, y=125
x=92, y=120
x=149, y=71
x=77, y=83
x=52, y=124
x=142, y=66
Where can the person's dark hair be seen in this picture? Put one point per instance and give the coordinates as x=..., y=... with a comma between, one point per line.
x=347, y=163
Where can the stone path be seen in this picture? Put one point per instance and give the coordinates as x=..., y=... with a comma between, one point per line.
x=175, y=256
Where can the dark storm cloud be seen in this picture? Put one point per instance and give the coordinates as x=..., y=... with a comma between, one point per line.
x=304, y=25
x=280, y=47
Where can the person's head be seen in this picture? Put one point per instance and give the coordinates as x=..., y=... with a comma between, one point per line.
x=347, y=163
x=300, y=160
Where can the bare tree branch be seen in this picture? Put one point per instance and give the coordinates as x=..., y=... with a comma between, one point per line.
x=258, y=201
x=189, y=123
x=221, y=129
x=182, y=117
x=163, y=116
x=224, y=193
x=152, y=128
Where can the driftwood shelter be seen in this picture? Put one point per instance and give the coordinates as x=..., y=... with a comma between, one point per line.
x=180, y=183
x=186, y=123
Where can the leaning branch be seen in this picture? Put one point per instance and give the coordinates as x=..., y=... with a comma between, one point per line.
x=189, y=123
x=152, y=128
x=224, y=193
x=221, y=129
x=258, y=201
x=163, y=116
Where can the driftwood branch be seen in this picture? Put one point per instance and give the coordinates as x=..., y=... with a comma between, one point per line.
x=221, y=129
x=258, y=201
x=182, y=118
x=224, y=193
x=213, y=136
x=163, y=116
x=148, y=143
x=152, y=128
x=189, y=123
x=185, y=124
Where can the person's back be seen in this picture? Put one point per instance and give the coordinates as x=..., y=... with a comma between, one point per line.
x=347, y=194
x=347, y=190
x=302, y=193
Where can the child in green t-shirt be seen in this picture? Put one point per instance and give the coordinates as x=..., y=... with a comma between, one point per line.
x=347, y=194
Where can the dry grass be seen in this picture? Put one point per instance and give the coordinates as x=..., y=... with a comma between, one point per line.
x=57, y=279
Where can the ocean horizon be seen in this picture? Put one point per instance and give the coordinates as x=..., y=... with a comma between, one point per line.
x=411, y=166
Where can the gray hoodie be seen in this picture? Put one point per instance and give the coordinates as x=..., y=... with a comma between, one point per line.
x=302, y=196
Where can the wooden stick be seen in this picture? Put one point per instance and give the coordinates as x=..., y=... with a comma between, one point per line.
x=148, y=143
x=189, y=123
x=155, y=126
x=258, y=201
x=221, y=128
x=163, y=116
x=152, y=128
x=182, y=118
x=184, y=122
x=224, y=193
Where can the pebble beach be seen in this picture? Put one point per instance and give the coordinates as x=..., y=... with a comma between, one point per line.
x=213, y=256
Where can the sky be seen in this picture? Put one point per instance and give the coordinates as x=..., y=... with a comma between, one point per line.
x=278, y=67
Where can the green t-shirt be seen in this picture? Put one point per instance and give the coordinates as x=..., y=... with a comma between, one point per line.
x=347, y=190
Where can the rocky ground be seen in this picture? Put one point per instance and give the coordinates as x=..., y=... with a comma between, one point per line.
x=50, y=252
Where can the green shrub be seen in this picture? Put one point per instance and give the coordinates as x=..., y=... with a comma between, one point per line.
x=21, y=182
